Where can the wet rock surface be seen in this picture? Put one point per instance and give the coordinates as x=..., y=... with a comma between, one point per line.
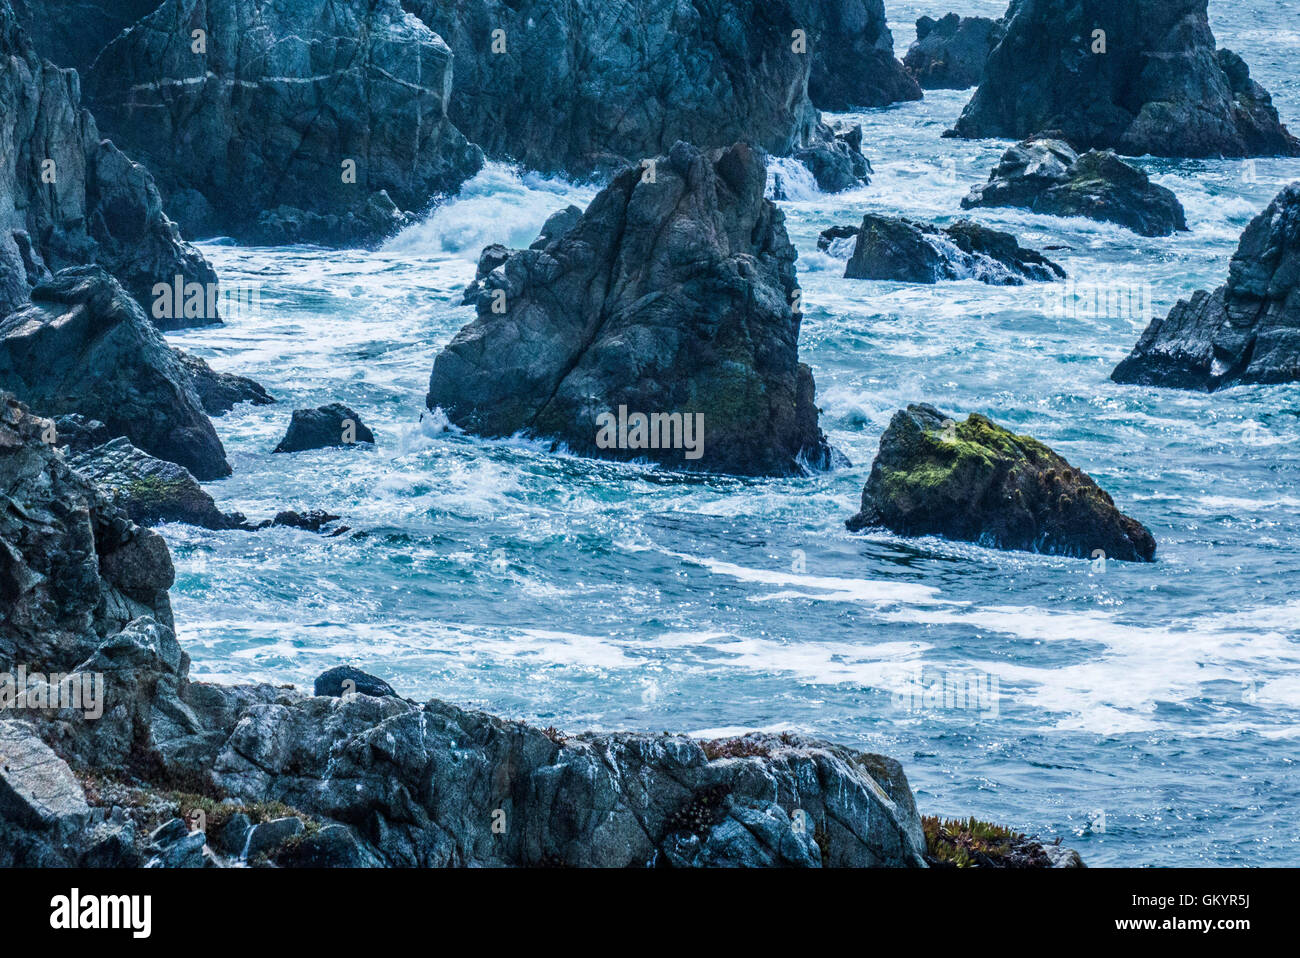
x=324, y=427
x=1150, y=82
x=84, y=346
x=1044, y=174
x=671, y=297
x=950, y=53
x=1246, y=331
x=975, y=481
x=894, y=248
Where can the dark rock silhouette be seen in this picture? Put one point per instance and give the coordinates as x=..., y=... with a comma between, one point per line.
x=950, y=53
x=323, y=427
x=1246, y=331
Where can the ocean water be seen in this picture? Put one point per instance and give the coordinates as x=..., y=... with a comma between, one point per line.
x=1148, y=714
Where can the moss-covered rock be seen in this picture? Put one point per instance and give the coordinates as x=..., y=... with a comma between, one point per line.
x=978, y=482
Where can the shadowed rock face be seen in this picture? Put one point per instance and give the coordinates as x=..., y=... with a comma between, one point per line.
x=1246, y=331
x=221, y=392
x=591, y=87
x=950, y=53
x=894, y=248
x=667, y=297
x=1047, y=176
x=324, y=427
x=977, y=482
x=67, y=197
x=84, y=346
x=1160, y=87
x=72, y=32
x=251, y=137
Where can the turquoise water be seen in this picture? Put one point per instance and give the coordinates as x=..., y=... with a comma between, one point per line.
x=1147, y=713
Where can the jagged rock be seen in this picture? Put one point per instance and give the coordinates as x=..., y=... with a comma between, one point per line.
x=853, y=63
x=332, y=682
x=267, y=837
x=1046, y=175
x=150, y=491
x=834, y=157
x=978, y=482
x=894, y=248
x=289, y=93
x=73, y=568
x=557, y=224
x=221, y=392
x=84, y=346
x=602, y=800
x=950, y=53
x=575, y=90
x=75, y=433
x=323, y=427
x=1159, y=87
x=1246, y=331
x=333, y=846
x=68, y=198
x=42, y=807
x=668, y=297
x=72, y=32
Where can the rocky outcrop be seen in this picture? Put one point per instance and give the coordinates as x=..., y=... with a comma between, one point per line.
x=84, y=346
x=1046, y=175
x=294, y=121
x=1246, y=331
x=950, y=53
x=669, y=299
x=894, y=248
x=978, y=482
x=834, y=157
x=72, y=32
x=73, y=568
x=574, y=88
x=221, y=392
x=1137, y=77
x=150, y=491
x=69, y=198
x=852, y=55
x=324, y=427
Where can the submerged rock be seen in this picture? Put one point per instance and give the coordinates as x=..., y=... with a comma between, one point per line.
x=84, y=346
x=1246, y=331
x=68, y=197
x=1046, y=175
x=1138, y=77
x=976, y=481
x=950, y=53
x=299, y=121
x=894, y=248
x=669, y=299
x=323, y=427
x=221, y=392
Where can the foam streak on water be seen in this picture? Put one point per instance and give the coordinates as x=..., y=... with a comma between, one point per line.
x=581, y=594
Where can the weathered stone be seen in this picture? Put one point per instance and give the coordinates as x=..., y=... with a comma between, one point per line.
x=950, y=53
x=288, y=94
x=978, y=482
x=37, y=789
x=1246, y=331
x=268, y=837
x=221, y=392
x=336, y=681
x=668, y=297
x=72, y=32
x=1137, y=77
x=149, y=490
x=324, y=427
x=1044, y=174
x=84, y=346
x=894, y=248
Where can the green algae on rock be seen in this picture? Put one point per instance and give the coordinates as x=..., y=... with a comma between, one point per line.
x=978, y=482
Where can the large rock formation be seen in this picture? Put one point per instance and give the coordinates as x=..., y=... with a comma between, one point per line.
x=1246, y=331
x=978, y=482
x=894, y=248
x=852, y=51
x=670, y=298
x=83, y=346
x=287, y=120
x=1138, y=76
x=950, y=53
x=67, y=197
x=1046, y=175
x=72, y=32
x=591, y=87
